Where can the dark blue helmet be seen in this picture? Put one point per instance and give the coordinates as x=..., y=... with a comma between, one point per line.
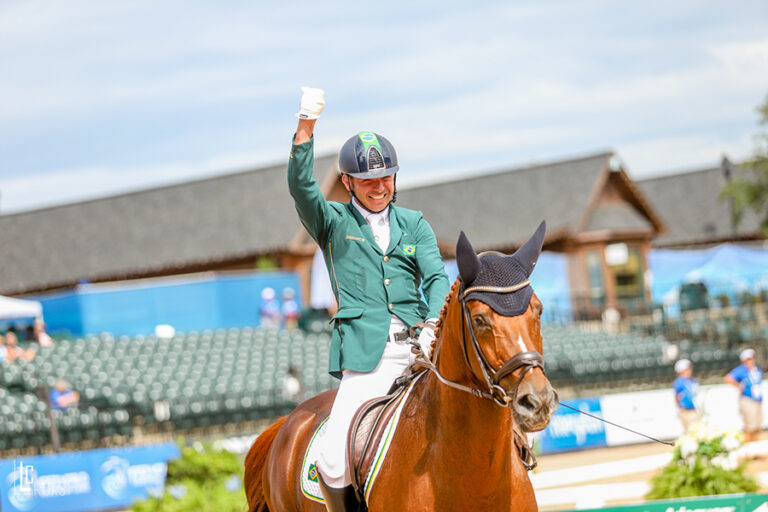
x=368, y=155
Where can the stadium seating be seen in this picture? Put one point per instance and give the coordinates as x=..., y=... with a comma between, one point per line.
x=204, y=379
x=585, y=361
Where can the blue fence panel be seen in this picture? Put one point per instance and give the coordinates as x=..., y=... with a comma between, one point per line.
x=62, y=312
x=187, y=304
x=571, y=430
x=83, y=481
x=239, y=298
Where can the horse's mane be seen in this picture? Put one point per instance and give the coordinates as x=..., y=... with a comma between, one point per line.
x=444, y=310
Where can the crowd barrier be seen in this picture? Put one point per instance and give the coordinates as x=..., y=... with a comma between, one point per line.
x=725, y=503
x=102, y=479
x=652, y=413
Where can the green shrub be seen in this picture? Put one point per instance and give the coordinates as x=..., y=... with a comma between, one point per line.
x=703, y=463
x=203, y=479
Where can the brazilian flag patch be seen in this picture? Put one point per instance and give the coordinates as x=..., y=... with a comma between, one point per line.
x=312, y=474
x=369, y=139
x=409, y=250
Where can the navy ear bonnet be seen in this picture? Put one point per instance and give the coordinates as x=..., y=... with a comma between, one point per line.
x=498, y=280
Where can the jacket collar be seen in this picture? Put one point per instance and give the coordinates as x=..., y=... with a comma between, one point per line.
x=395, y=231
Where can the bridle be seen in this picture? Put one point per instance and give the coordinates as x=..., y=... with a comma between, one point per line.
x=527, y=360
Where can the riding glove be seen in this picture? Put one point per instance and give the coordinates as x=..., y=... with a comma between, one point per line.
x=426, y=337
x=312, y=103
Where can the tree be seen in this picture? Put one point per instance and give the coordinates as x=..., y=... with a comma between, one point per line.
x=203, y=480
x=749, y=189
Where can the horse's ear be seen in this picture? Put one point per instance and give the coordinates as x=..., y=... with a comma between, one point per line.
x=530, y=250
x=466, y=259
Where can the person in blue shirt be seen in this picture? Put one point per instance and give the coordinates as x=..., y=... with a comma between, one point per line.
x=269, y=310
x=686, y=388
x=62, y=397
x=748, y=377
x=290, y=309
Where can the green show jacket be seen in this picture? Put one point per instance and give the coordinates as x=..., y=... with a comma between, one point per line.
x=370, y=285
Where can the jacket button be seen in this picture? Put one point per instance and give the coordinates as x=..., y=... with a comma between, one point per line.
x=387, y=281
x=391, y=307
x=386, y=258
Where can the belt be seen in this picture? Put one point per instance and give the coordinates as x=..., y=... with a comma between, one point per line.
x=398, y=337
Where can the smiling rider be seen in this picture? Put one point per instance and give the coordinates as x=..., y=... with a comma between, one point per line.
x=377, y=255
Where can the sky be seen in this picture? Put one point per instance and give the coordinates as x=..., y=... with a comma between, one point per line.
x=103, y=98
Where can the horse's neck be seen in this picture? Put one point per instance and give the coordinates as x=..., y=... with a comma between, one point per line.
x=481, y=426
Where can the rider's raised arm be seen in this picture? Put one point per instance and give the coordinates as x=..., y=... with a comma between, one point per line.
x=304, y=131
x=313, y=209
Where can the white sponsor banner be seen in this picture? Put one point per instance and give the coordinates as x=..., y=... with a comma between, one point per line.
x=652, y=413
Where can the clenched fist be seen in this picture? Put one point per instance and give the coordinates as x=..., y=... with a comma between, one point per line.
x=312, y=103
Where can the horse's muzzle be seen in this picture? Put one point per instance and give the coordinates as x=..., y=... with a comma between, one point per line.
x=534, y=408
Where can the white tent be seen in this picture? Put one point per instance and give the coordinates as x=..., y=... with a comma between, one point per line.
x=19, y=308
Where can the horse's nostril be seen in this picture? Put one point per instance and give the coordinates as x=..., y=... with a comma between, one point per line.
x=528, y=401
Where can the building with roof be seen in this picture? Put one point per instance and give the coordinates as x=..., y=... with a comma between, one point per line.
x=603, y=221
x=590, y=205
x=690, y=204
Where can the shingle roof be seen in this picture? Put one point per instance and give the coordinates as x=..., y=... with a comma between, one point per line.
x=151, y=231
x=689, y=205
x=502, y=209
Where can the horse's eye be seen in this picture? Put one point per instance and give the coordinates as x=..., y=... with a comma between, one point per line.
x=479, y=321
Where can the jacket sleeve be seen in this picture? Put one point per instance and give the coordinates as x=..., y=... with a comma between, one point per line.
x=314, y=211
x=435, y=284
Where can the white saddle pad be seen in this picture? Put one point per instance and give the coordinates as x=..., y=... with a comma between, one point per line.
x=310, y=486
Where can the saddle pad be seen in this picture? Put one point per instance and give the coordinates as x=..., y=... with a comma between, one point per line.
x=386, y=441
x=310, y=486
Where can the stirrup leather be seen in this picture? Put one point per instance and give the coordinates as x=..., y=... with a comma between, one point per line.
x=338, y=500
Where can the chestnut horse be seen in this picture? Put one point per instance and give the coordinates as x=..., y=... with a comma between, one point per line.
x=455, y=445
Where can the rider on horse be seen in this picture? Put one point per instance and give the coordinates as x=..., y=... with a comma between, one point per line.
x=377, y=255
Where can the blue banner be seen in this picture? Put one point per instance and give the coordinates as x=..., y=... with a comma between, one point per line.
x=571, y=430
x=82, y=481
x=193, y=303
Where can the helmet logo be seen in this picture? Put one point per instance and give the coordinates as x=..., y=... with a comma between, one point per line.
x=375, y=160
x=368, y=137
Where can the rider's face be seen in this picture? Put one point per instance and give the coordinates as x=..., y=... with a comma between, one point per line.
x=375, y=194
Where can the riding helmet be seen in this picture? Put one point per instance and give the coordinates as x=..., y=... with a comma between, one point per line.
x=368, y=155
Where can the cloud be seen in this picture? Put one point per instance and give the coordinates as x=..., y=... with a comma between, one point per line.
x=659, y=156
x=459, y=88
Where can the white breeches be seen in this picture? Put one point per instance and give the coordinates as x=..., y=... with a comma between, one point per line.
x=356, y=389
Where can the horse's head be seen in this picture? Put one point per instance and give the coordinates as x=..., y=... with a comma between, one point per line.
x=500, y=323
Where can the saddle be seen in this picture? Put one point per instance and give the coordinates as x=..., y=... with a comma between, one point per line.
x=368, y=426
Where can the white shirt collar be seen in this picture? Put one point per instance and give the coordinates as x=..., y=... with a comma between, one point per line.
x=370, y=216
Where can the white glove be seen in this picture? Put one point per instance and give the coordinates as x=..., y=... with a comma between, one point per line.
x=426, y=337
x=312, y=103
